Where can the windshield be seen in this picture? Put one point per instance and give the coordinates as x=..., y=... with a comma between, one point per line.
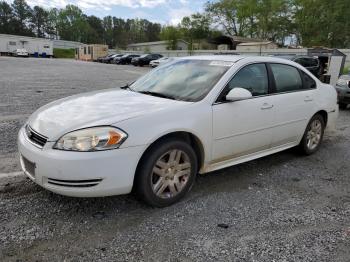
x=143, y=56
x=125, y=55
x=187, y=80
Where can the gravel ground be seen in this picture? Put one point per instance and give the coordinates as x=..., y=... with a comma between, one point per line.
x=282, y=207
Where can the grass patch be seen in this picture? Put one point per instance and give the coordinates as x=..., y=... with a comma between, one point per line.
x=63, y=53
x=346, y=70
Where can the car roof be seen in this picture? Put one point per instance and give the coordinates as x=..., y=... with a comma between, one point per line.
x=236, y=58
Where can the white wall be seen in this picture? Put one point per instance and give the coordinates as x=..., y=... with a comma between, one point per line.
x=32, y=44
x=63, y=44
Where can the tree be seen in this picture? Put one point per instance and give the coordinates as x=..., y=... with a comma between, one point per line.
x=171, y=34
x=323, y=23
x=72, y=24
x=51, y=27
x=195, y=28
x=6, y=16
x=264, y=19
x=39, y=21
x=22, y=14
x=96, y=31
x=225, y=13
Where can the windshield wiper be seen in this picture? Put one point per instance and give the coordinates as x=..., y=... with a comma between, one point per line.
x=151, y=93
x=127, y=86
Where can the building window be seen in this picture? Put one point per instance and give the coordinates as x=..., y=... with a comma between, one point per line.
x=46, y=46
x=84, y=50
x=12, y=43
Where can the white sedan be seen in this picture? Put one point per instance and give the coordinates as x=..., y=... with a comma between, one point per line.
x=193, y=115
x=161, y=61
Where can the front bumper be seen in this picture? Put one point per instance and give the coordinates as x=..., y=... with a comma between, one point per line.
x=79, y=174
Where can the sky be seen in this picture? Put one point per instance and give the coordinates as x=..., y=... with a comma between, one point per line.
x=160, y=11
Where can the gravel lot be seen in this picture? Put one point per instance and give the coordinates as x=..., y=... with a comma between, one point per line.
x=283, y=207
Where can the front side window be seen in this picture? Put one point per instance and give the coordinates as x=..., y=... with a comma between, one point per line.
x=253, y=78
x=287, y=78
x=187, y=80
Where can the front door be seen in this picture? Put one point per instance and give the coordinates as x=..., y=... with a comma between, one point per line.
x=242, y=128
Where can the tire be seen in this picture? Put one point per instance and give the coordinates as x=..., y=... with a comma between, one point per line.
x=313, y=135
x=170, y=182
x=343, y=106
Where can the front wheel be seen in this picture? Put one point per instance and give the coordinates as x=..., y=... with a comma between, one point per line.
x=166, y=173
x=313, y=135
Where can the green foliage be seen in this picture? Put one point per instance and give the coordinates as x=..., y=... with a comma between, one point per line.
x=195, y=28
x=6, y=16
x=323, y=22
x=171, y=34
x=263, y=19
x=310, y=22
x=39, y=20
x=70, y=23
x=346, y=70
x=63, y=53
x=21, y=15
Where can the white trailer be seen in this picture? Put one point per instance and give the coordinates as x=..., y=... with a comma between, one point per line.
x=35, y=46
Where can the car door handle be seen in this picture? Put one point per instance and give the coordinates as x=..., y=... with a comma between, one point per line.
x=308, y=99
x=266, y=106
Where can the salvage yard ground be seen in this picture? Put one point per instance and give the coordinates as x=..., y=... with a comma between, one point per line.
x=282, y=207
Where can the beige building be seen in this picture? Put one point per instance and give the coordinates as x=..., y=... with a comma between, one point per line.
x=159, y=46
x=256, y=46
x=90, y=52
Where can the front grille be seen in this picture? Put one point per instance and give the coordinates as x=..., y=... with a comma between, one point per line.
x=35, y=137
x=74, y=183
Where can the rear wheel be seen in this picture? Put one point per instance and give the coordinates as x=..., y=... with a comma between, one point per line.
x=313, y=135
x=343, y=106
x=166, y=173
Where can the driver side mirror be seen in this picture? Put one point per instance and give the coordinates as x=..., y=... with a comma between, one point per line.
x=238, y=94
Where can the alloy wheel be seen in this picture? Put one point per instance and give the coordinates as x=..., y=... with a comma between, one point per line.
x=171, y=173
x=314, y=134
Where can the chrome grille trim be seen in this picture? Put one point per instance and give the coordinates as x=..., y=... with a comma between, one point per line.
x=35, y=138
x=74, y=183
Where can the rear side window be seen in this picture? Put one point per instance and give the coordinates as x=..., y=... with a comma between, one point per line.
x=253, y=78
x=287, y=78
x=309, y=83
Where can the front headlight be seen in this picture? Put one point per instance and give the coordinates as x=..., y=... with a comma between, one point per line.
x=92, y=139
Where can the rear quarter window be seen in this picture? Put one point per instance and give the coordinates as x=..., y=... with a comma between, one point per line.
x=308, y=82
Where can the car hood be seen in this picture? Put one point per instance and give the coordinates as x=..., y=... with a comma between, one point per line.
x=94, y=109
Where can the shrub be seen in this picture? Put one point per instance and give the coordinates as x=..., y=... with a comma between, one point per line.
x=63, y=53
x=346, y=70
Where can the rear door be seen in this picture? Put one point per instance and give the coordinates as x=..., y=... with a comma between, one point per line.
x=294, y=103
